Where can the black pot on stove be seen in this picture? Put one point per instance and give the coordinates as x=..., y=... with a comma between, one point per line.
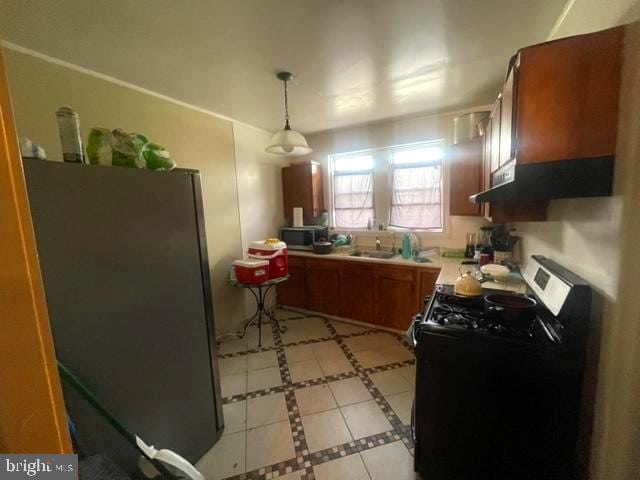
x=509, y=310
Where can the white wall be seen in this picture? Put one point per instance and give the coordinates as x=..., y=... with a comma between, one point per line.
x=195, y=139
x=597, y=239
x=397, y=132
x=259, y=179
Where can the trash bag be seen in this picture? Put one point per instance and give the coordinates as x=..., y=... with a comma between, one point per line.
x=123, y=149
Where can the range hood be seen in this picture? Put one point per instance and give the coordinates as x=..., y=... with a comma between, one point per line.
x=584, y=177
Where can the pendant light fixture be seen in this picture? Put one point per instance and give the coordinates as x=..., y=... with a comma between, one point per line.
x=287, y=141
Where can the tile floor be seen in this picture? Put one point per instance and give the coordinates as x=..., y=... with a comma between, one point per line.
x=323, y=400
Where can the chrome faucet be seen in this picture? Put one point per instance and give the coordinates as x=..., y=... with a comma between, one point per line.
x=378, y=244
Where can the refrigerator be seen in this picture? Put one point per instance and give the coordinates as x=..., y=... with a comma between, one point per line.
x=124, y=261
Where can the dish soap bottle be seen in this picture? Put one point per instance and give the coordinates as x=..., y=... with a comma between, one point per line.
x=406, y=246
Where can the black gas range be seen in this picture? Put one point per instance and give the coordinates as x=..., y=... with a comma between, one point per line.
x=501, y=402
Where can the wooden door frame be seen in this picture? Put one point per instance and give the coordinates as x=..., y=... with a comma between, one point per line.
x=32, y=413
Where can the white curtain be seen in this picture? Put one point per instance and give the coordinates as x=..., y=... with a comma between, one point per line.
x=417, y=197
x=353, y=199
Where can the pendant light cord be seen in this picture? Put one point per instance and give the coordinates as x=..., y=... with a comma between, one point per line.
x=286, y=107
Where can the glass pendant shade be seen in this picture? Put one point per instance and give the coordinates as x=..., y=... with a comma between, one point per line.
x=288, y=142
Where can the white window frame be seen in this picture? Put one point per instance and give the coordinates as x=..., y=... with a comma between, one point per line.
x=382, y=186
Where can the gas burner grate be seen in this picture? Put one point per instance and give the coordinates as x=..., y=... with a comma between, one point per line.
x=463, y=317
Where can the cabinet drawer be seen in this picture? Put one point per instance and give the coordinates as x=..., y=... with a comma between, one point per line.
x=357, y=268
x=322, y=264
x=396, y=273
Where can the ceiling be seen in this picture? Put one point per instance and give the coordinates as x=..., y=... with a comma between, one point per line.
x=355, y=61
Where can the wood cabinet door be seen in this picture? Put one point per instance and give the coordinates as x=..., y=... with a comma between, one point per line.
x=396, y=295
x=568, y=97
x=507, y=116
x=486, y=166
x=296, y=190
x=465, y=176
x=302, y=187
x=428, y=277
x=357, y=286
x=323, y=286
x=317, y=196
x=496, y=126
x=292, y=292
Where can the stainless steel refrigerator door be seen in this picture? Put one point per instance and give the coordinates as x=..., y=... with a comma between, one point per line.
x=121, y=259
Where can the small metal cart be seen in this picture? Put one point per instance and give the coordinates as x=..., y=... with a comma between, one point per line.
x=259, y=291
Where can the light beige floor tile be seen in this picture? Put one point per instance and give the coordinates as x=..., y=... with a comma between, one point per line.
x=365, y=419
x=348, y=391
x=401, y=404
x=344, y=328
x=351, y=467
x=369, y=358
x=306, y=370
x=392, y=461
x=373, y=341
x=382, y=356
x=328, y=349
x=390, y=382
x=266, y=410
x=267, y=337
x=325, y=429
x=314, y=328
x=294, y=333
x=226, y=458
x=262, y=360
x=232, y=345
x=333, y=366
x=232, y=365
x=299, y=353
x=290, y=476
x=269, y=444
x=409, y=374
x=233, y=384
x=263, y=378
x=235, y=417
x=315, y=399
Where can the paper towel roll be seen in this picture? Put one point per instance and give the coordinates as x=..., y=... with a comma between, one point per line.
x=297, y=216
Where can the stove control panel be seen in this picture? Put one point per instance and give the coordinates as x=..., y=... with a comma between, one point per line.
x=549, y=288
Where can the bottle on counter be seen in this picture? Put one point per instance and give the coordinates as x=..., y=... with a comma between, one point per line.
x=70, y=139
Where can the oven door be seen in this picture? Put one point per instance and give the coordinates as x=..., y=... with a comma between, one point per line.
x=298, y=238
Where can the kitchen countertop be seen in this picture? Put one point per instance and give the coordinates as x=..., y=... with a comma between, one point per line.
x=449, y=273
x=448, y=268
x=396, y=260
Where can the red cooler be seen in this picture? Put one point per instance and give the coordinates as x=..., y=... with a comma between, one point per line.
x=275, y=252
x=251, y=271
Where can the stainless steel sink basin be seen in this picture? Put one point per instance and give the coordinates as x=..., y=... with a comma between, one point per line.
x=374, y=254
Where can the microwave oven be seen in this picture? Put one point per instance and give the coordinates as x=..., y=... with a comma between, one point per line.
x=303, y=238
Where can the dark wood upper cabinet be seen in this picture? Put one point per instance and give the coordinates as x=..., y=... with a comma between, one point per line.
x=567, y=98
x=554, y=126
x=302, y=187
x=465, y=160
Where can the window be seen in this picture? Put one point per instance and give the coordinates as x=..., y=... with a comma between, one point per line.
x=400, y=186
x=416, y=188
x=352, y=190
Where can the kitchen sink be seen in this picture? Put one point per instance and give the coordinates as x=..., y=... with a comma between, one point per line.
x=374, y=254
